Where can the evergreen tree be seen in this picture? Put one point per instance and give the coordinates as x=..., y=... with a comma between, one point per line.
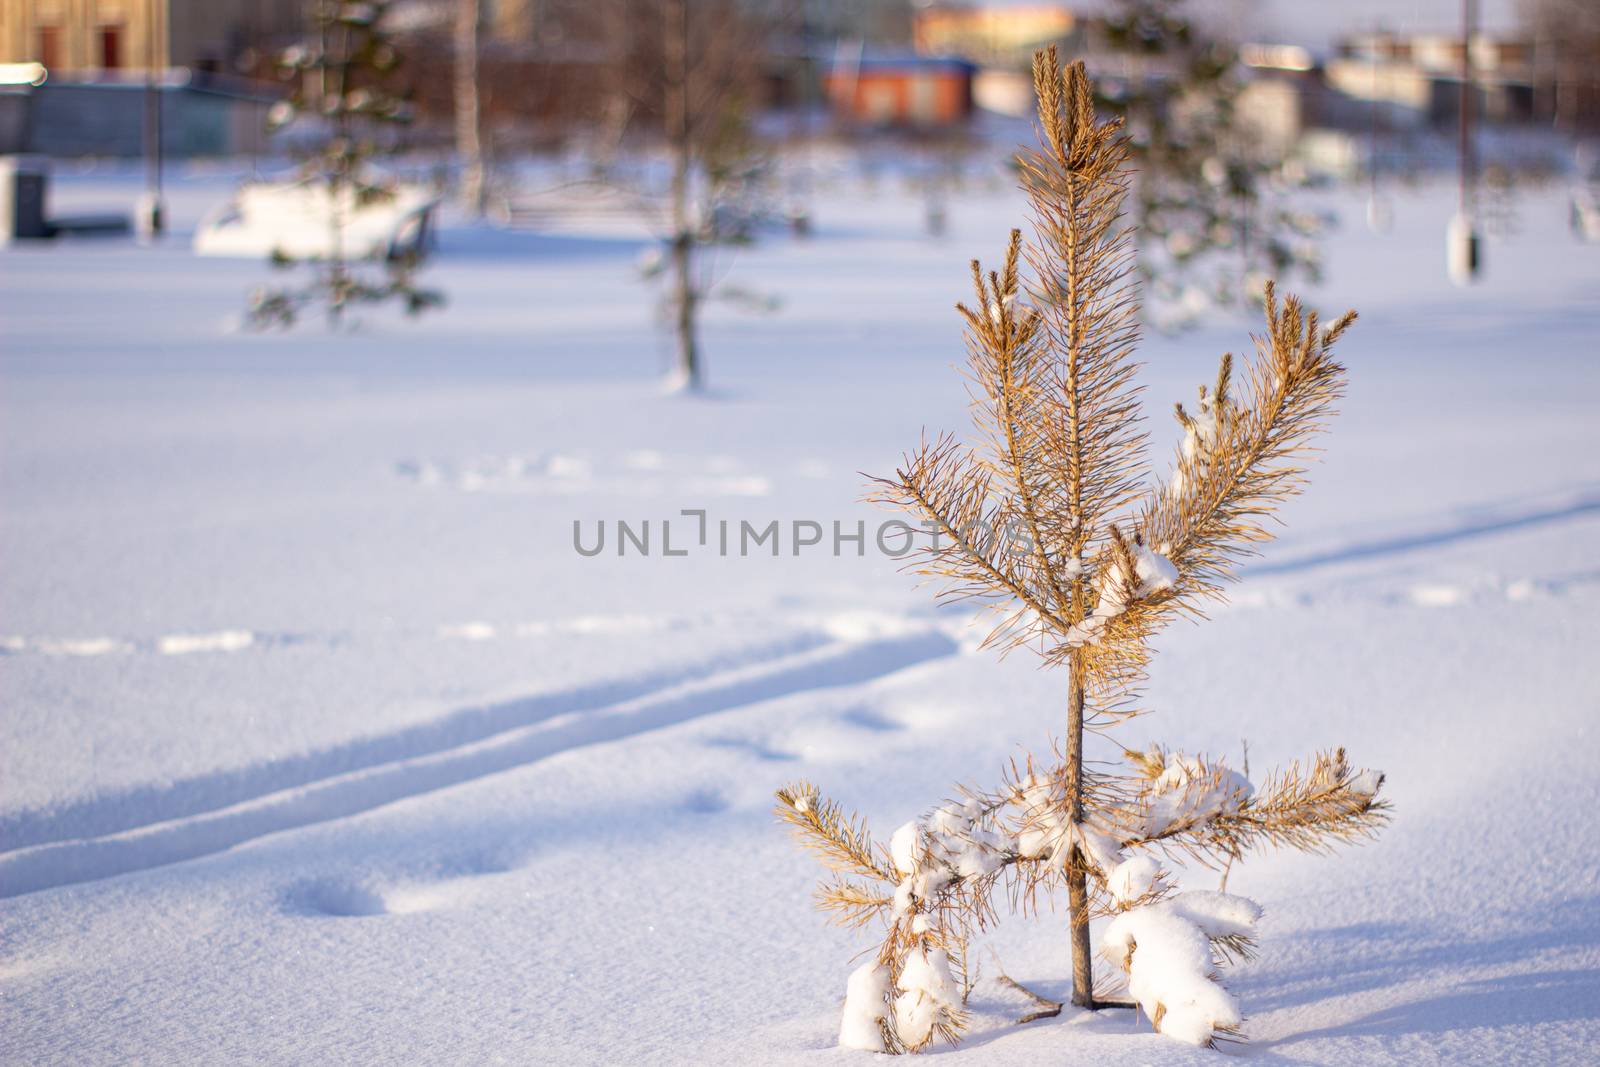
x=350, y=102
x=1054, y=522
x=1209, y=201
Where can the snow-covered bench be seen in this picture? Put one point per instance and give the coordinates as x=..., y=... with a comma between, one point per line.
x=300, y=221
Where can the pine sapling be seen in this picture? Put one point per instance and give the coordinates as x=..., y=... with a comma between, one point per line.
x=1055, y=521
x=345, y=89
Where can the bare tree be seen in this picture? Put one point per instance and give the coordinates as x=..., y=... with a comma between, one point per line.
x=688, y=72
x=1566, y=43
x=469, y=131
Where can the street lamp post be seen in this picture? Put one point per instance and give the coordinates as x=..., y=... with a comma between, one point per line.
x=150, y=218
x=1464, y=249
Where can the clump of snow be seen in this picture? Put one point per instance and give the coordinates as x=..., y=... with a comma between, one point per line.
x=905, y=847
x=1048, y=831
x=1217, y=914
x=866, y=1002
x=927, y=989
x=1133, y=878
x=1191, y=789
x=1366, y=783
x=962, y=844
x=952, y=844
x=221, y=641
x=66, y=646
x=1166, y=950
x=1153, y=573
x=1200, y=432
x=1089, y=629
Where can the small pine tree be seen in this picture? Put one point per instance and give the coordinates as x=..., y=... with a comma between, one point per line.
x=346, y=87
x=1093, y=561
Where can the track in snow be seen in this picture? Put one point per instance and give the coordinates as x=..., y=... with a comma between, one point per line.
x=542, y=731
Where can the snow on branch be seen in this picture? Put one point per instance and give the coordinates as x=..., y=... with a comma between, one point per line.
x=1309, y=807
x=932, y=888
x=1168, y=951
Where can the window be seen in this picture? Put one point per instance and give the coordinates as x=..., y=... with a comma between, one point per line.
x=110, y=47
x=50, y=46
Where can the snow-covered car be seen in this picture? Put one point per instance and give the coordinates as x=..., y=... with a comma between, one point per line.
x=302, y=221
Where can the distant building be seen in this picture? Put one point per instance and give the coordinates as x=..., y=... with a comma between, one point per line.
x=1003, y=37
x=105, y=38
x=97, y=56
x=1418, y=77
x=908, y=91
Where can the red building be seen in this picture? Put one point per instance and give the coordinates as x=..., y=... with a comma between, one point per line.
x=919, y=91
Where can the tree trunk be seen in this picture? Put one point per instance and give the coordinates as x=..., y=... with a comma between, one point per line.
x=675, y=55
x=469, y=130
x=333, y=89
x=1077, y=882
x=686, y=371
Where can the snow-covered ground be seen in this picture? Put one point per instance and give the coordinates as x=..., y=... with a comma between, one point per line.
x=322, y=744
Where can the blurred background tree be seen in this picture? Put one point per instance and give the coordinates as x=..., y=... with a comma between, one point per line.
x=1210, y=203
x=347, y=107
x=1565, y=36
x=689, y=72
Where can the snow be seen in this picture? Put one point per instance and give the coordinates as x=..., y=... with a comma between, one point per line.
x=1154, y=573
x=1170, y=973
x=1216, y=914
x=222, y=641
x=467, y=797
x=1166, y=949
x=1366, y=782
x=927, y=992
x=865, y=1003
x=298, y=220
x=906, y=847
x=1199, y=438
x=1190, y=789
x=1133, y=878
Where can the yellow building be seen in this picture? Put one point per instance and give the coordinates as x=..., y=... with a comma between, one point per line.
x=992, y=36
x=99, y=37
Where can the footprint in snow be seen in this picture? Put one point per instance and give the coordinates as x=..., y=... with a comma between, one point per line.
x=706, y=801
x=868, y=719
x=429, y=887
x=759, y=749
x=333, y=897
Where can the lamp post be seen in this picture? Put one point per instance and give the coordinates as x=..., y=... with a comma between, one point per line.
x=1464, y=249
x=149, y=217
